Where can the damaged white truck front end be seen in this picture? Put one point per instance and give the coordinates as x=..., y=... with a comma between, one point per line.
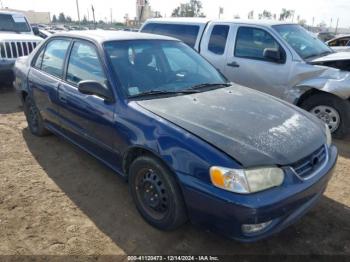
x=16, y=40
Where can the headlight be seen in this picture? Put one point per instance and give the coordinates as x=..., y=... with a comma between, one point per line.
x=246, y=181
x=328, y=135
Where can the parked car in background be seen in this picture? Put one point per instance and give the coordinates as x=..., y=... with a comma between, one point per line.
x=16, y=39
x=191, y=145
x=325, y=36
x=44, y=33
x=280, y=59
x=340, y=43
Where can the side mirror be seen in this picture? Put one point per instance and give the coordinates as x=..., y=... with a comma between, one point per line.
x=35, y=30
x=273, y=55
x=90, y=87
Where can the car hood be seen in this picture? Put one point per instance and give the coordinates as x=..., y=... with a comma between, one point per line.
x=5, y=36
x=336, y=56
x=253, y=128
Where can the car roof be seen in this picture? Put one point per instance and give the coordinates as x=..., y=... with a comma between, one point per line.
x=338, y=37
x=181, y=20
x=199, y=20
x=111, y=35
x=2, y=12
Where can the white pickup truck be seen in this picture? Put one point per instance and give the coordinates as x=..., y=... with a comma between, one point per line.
x=16, y=39
x=280, y=59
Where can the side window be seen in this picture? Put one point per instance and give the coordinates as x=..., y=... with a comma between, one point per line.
x=186, y=33
x=54, y=55
x=333, y=43
x=39, y=59
x=148, y=28
x=84, y=64
x=251, y=43
x=218, y=38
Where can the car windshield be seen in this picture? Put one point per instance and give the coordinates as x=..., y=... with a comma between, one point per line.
x=302, y=42
x=156, y=67
x=13, y=23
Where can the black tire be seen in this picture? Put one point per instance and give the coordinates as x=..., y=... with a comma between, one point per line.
x=167, y=210
x=341, y=106
x=34, y=119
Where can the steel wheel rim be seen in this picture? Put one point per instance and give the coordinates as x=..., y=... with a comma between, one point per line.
x=328, y=115
x=152, y=193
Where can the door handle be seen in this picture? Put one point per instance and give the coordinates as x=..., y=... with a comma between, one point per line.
x=233, y=64
x=62, y=98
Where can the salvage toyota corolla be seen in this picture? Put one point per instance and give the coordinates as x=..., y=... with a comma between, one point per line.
x=191, y=145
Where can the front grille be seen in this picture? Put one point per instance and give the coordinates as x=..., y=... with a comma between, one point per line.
x=306, y=166
x=14, y=49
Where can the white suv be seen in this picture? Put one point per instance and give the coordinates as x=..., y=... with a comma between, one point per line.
x=16, y=39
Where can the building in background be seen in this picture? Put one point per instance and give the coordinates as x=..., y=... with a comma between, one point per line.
x=33, y=16
x=144, y=11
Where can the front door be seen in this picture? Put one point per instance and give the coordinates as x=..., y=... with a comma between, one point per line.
x=88, y=120
x=247, y=66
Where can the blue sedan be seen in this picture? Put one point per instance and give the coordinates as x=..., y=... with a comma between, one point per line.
x=192, y=145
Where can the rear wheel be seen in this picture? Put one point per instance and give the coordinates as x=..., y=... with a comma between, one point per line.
x=332, y=110
x=34, y=119
x=156, y=193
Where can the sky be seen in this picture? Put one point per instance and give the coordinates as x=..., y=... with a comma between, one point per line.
x=321, y=10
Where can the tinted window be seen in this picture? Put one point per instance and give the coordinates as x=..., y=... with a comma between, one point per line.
x=218, y=37
x=143, y=66
x=186, y=33
x=15, y=23
x=84, y=64
x=54, y=55
x=340, y=42
x=251, y=43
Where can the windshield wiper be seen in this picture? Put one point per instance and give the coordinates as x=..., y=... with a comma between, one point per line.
x=204, y=85
x=163, y=92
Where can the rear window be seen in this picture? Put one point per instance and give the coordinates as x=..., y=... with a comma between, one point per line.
x=218, y=37
x=186, y=33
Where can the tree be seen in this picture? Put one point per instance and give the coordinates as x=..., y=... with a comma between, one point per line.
x=265, y=15
x=85, y=21
x=54, y=19
x=285, y=14
x=69, y=19
x=191, y=9
x=302, y=22
x=61, y=18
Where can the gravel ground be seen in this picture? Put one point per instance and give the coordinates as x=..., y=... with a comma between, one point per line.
x=57, y=200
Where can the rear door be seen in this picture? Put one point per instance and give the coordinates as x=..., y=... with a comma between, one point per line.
x=88, y=120
x=214, y=46
x=44, y=78
x=247, y=66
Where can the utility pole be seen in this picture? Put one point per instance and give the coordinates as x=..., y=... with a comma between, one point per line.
x=2, y=4
x=111, y=17
x=93, y=15
x=78, y=11
x=336, y=28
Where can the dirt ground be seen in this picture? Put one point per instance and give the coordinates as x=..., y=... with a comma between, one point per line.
x=56, y=199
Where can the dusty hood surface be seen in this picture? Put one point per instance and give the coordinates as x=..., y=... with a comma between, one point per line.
x=253, y=128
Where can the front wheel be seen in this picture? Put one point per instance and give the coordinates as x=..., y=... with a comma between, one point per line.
x=332, y=110
x=156, y=193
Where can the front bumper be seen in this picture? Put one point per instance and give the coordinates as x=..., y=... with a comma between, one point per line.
x=6, y=70
x=225, y=212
